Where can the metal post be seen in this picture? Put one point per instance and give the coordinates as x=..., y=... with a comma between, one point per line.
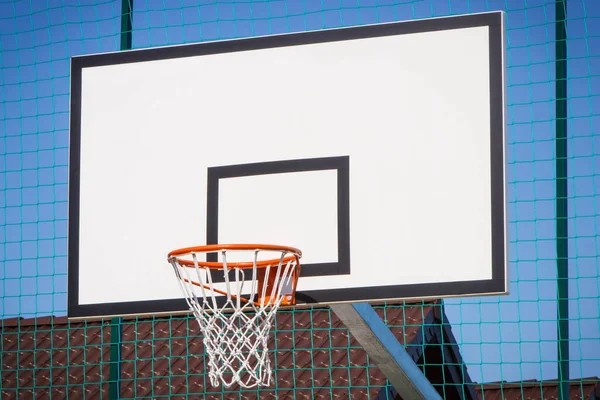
x=126, y=24
x=114, y=386
x=384, y=349
x=116, y=323
x=562, y=230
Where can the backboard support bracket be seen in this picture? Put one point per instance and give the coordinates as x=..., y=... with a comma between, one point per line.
x=386, y=351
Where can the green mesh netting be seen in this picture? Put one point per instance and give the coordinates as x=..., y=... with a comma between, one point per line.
x=507, y=340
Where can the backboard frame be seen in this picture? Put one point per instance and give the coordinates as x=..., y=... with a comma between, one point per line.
x=494, y=286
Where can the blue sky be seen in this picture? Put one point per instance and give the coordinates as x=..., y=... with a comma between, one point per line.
x=502, y=338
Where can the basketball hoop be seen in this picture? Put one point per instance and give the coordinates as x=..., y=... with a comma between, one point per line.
x=236, y=315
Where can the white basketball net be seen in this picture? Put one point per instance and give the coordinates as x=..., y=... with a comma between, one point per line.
x=236, y=332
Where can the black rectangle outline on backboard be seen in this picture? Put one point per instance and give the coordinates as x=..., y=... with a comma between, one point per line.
x=340, y=164
x=496, y=285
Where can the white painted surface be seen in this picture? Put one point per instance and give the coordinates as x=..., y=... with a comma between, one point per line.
x=411, y=114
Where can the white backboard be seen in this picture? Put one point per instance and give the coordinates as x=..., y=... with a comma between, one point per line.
x=376, y=150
